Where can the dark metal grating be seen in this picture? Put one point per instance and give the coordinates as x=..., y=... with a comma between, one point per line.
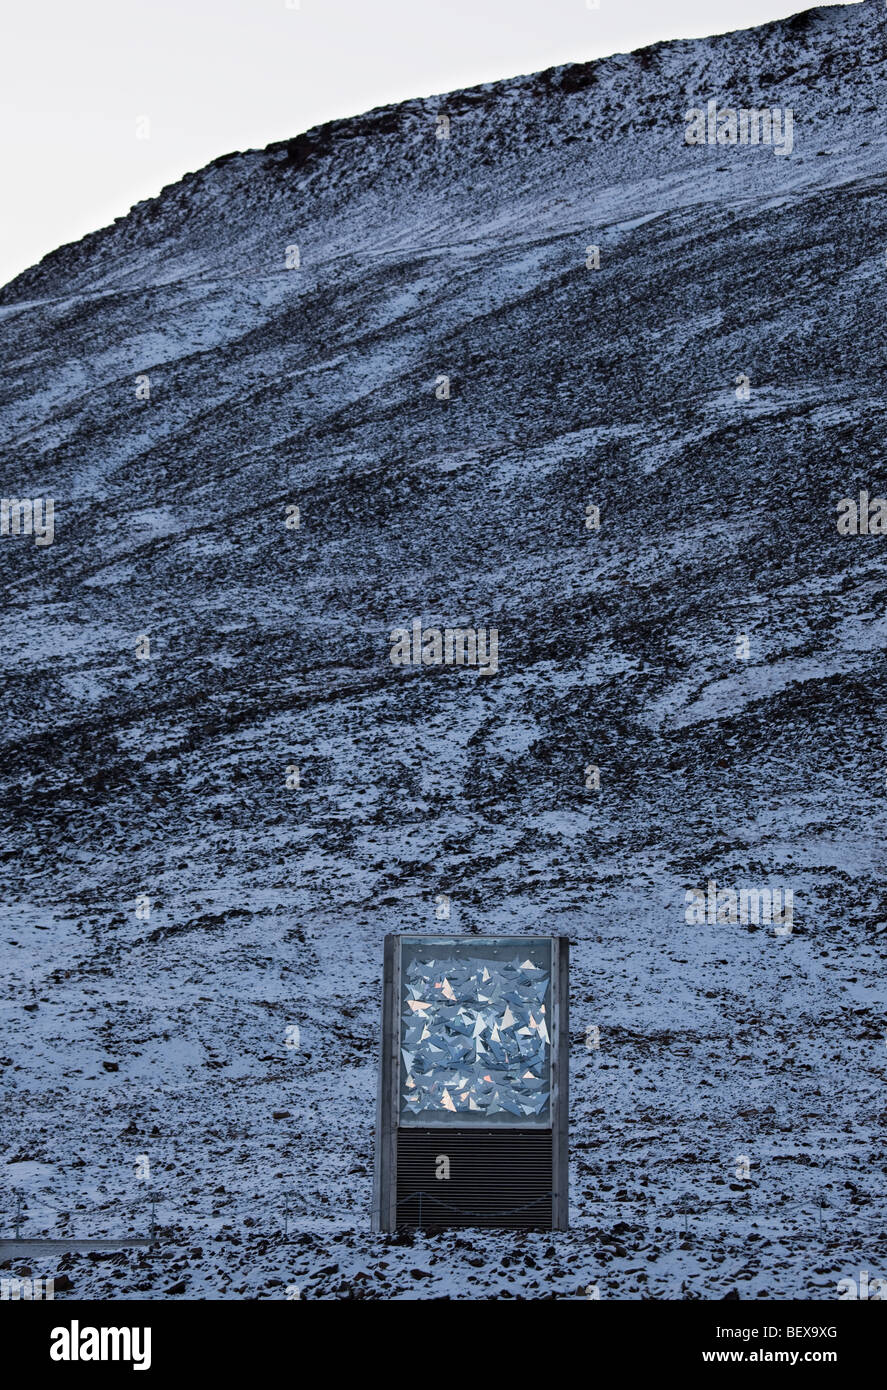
x=498, y=1177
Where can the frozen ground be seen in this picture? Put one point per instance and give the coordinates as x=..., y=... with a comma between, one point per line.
x=167, y=1036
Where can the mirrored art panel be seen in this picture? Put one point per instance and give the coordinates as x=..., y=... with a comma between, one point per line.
x=475, y=1040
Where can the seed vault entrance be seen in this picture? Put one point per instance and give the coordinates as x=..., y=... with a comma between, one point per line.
x=471, y=1125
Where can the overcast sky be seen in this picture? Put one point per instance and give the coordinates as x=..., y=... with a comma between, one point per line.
x=219, y=75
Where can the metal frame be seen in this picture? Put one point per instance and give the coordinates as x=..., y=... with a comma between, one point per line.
x=384, y=1214
x=385, y=1171
x=560, y=1082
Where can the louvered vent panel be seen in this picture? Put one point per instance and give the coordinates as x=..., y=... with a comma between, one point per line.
x=498, y=1177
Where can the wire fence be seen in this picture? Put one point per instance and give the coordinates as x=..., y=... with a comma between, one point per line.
x=156, y=1216
x=484, y=1215
x=826, y=1220
x=23, y=1213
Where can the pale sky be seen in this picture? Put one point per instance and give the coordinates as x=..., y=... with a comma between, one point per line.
x=220, y=75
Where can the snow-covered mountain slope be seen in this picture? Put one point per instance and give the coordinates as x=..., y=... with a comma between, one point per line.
x=174, y=387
